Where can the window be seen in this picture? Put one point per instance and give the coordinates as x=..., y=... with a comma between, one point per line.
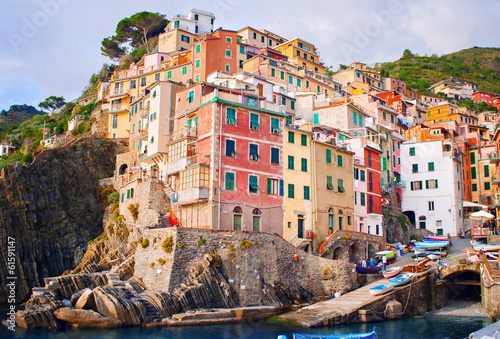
x=132, y=84
x=197, y=63
x=487, y=186
x=355, y=118
x=412, y=151
x=431, y=184
x=307, y=195
x=473, y=158
x=384, y=116
x=275, y=155
x=262, y=39
x=275, y=126
x=190, y=97
x=272, y=186
x=282, y=75
x=363, y=199
x=339, y=160
x=115, y=121
x=307, y=83
x=290, y=79
x=299, y=82
x=474, y=187
x=370, y=181
x=362, y=175
x=303, y=140
x=304, y=164
x=318, y=88
x=185, y=38
x=416, y=185
x=340, y=185
x=176, y=24
x=228, y=53
x=197, y=78
x=431, y=205
x=273, y=72
x=328, y=156
x=356, y=173
x=330, y=219
x=414, y=168
x=253, y=186
x=430, y=165
x=254, y=152
x=230, y=148
x=254, y=121
x=329, y=183
x=292, y=104
x=255, y=35
x=360, y=120
x=291, y=137
x=291, y=162
x=473, y=173
x=231, y=116
x=486, y=171
x=228, y=68
x=256, y=220
x=143, y=81
x=291, y=191
x=198, y=48
x=316, y=118
x=169, y=75
x=242, y=49
x=157, y=76
x=283, y=101
x=229, y=181
x=229, y=39
x=184, y=70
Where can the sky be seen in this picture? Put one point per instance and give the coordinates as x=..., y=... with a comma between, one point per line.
x=52, y=47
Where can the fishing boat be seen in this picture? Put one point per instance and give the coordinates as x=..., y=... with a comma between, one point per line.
x=381, y=289
x=436, y=238
x=401, y=280
x=368, y=270
x=392, y=272
x=367, y=335
x=486, y=247
x=431, y=245
x=434, y=257
x=418, y=270
x=390, y=255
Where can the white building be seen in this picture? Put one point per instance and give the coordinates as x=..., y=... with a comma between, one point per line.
x=433, y=195
x=195, y=22
x=6, y=150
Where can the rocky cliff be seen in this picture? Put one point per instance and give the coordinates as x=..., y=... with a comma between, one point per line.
x=51, y=209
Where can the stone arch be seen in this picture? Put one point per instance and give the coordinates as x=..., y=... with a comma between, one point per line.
x=462, y=283
x=371, y=251
x=353, y=252
x=122, y=169
x=411, y=216
x=337, y=253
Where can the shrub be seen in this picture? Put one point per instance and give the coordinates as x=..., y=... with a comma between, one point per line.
x=28, y=158
x=161, y=261
x=245, y=244
x=216, y=260
x=134, y=210
x=180, y=245
x=145, y=243
x=201, y=241
x=152, y=264
x=113, y=197
x=168, y=244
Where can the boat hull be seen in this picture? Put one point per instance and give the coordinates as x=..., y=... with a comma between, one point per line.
x=391, y=272
x=381, y=289
x=368, y=335
x=401, y=280
x=368, y=270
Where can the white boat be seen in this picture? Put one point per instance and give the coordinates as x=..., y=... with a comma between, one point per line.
x=392, y=272
x=401, y=280
x=486, y=247
x=431, y=245
x=381, y=289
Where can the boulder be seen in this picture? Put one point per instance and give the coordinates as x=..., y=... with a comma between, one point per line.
x=112, y=302
x=86, y=301
x=86, y=318
x=394, y=310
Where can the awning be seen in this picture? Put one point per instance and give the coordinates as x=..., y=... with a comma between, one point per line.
x=473, y=204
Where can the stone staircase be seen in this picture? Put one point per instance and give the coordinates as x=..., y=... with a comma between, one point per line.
x=169, y=192
x=114, y=276
x=300, y=243
x=50, y=287
x=151, y=312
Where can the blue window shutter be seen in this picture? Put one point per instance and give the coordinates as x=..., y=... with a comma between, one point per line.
x=316, y=118
x=282, y=188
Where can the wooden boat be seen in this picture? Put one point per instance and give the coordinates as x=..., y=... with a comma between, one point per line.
x=418, y=270
x=367, y=335
x=431, y=245
x=401, y=280
x=381, y=289
x=368, y=270
x=436, y=238
x=486, y=247
x=390, y=255
x=392, y=272
x=434, y=257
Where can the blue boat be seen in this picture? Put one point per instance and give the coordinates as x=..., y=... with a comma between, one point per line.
x=381, y=289
x=368, y=270
x=431, y=245
x=367, y=335
x=401, y=279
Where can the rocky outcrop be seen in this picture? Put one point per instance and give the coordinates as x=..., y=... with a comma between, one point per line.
x=51, y=209
x=86, y=300
x=86, y=318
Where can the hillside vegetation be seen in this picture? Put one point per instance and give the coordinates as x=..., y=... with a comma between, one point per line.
x=480, y=65
x=16, y=115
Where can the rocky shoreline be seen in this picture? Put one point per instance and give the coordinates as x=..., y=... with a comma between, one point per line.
x=462, y=308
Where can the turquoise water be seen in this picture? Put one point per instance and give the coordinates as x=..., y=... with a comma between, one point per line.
x=431, y=327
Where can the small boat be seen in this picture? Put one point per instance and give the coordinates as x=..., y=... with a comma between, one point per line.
x=368, y=270
x=430, y=245
x=381, y=289
x=436, y=238
x=367, y=335
x=418, y=270
x=390, y=255
x=434, y=257
x=401, y=280
x=392, y=272
x=486, y=247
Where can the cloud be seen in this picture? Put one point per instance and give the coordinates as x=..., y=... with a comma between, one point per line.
x=58, y=41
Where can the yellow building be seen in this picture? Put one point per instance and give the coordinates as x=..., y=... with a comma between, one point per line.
x=445, y=112
x=302, y=53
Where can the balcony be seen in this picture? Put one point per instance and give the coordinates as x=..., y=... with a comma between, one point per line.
x=247, y=101
x=117, y=109
x=192, y=195
x=374, y=209
x=495, y=180
x=494, y=157
x=117, y=93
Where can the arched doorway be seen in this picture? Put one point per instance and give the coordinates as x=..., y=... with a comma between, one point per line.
x=256, y=220
x=411, y=216
x=330, y=220
x=336, y=253
x=237, y=213
x=341, y=219
x=422, y=222
x=123, y=169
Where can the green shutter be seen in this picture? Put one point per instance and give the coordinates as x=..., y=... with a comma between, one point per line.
x=412, y=151
x=291, y=191
x=282, y=75
x=328, y=156
x=431, y=166
x=340, y=185
x=292, y=104
x=290, y=162
x=307, y=193
x=316, y=118
x=304, y=165
x=384, y=164
x=486, y=171
x=198, y=48
x=473, y=172
x=363, y=201
x=303, y=140
x=339, y=160
x=427, y=184
x=273, y=72
x=362, y=175
x=291, y=137
x=269, y=186
x=354, y=118
x=230, y=181
x=329, y=182
x=473, y=158
x=128, y=194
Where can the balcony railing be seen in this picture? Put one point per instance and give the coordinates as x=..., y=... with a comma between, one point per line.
x=243, y=100
x=495, y=180
x=494, y=157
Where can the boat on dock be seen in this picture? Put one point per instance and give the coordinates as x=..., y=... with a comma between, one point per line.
x=401, y=280
x=419, y=269
x=437, y=238
x=392, y=272
x=381, y=289
x=367, y=335
x=390, y=255
x=431, y=245
x=486, y=247
x=368, y=270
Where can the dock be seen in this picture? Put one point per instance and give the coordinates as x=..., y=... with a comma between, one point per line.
x=353, y=306
x=489, y=332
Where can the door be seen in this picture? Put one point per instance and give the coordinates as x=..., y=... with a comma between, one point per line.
x=300, y=231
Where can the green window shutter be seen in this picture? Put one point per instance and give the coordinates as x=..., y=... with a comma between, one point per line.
x=123, y=194
x=486, y=171
x=436, y=183
x=415, y=168
x=487, y=186
x=304, y=165
x=292, y=104
x=382, y=182
x=254, y=121
x=473, y=158
x=198, y=48
x=384, y=115
x=412, y=185
x=384, y=164
x=269, y=186
x=307, y=83
x=412, y=151
x=473, y=173
x=307, y=193
x=316, y=118
x=355, y=118
x=273, y=72
x=474, y=187
x=291, y=191
x=128, y=194
x=360, y=120
x=431, y=166
x=299, y=82
x=339, y=160
x=392, y=118
x=328, y=156
x=242, y=49
x=282, y=75
x=427, y=184
x=291, y=137
x=231, y=116
x=275, y=126
x=363, y=201
x=283, y=100
x=329, y=183
x=290, y=79
x=303, y=140
x=290, y=162
x=169, y=75
x=230, y=181
x=340, y=185
x=362, y=175
x=184, y=70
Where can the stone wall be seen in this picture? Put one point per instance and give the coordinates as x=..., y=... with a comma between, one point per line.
x=266, y=267
x=352, y=246
x=494, y=239
x=100, y=126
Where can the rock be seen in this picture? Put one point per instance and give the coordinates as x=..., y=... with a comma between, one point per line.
x=86, y=318
x=77, y=295
x=67, y=303
x=86, y=300
x=394, y=310
x=112, y=302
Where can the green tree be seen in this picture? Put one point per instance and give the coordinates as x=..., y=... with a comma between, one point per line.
x=52, y=103
x=407, y=54
x=111, y=48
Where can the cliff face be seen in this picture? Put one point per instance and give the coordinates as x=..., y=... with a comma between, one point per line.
x=52, y=208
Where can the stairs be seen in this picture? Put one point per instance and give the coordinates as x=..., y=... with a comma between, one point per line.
x=169, y=192
x=114, y=277
x=151, y=312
